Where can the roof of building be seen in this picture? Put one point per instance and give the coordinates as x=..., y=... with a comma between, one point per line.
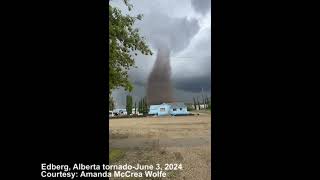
x=177, y=104
x=174, y=105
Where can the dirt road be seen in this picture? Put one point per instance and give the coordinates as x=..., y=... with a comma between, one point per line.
x=152, y=140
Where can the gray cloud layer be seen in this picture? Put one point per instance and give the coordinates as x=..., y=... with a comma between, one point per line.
x=201, y=6
x=161, y=30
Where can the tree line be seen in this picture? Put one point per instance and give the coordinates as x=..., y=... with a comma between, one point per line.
x=205, y=101
x=142, y=105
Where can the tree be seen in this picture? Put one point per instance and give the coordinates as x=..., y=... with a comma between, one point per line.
x=111, y=103
x=145, y=106
x=129, y=104
x=139, y=106
x=189, y=107
x=209, y=103
x=198, y=103
x=142, y=106
x=206, y=102
x=124, y=42
x=194, y=103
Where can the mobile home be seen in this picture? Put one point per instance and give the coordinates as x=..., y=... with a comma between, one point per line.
x=168, y=109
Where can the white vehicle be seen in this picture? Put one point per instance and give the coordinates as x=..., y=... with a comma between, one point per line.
x=123, y=113
x=111, y=114
x=120, y=112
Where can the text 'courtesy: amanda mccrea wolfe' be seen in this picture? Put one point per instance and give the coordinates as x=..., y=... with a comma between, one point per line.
x=80, y=170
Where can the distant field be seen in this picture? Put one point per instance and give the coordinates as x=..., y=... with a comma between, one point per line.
x=151, y=140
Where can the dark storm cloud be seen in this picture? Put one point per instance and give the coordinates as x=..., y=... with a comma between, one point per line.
x=190, y=73
x=187, y=84
x=176, y=24
x=194, y=85
x=201, y=6
x=161, y=30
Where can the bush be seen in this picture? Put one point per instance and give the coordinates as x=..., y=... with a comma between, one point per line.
x=127, y=116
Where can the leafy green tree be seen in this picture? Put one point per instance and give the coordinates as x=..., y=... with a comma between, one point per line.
x=124, y=43
x=145, y=106
x=189, y=108
x=142, y=106
x=129, y=104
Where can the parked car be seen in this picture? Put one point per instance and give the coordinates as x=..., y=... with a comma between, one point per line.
x=120, y=112
x=111, y=114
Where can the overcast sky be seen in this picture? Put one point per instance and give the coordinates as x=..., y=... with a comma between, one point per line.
x=185, y=27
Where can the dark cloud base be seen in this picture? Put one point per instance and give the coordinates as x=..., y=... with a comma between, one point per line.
x=191, y=85
x=194, y=85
